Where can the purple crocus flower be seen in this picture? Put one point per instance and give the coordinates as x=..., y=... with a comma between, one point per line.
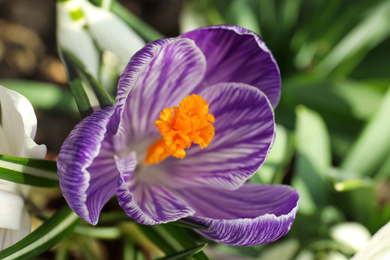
x=193, y=120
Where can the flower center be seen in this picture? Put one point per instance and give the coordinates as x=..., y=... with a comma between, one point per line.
x=180, y=127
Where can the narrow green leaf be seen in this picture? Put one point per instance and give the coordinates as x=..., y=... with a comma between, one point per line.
x=101, y=94
x=129, y=249
x=60, y=225
x=117, y=216
x=158, y=239
x=366, y=35
x=185, y=253
x=87, y=91
x=344, y=98
x=184, y=237
x=83, y=100
x=34, y=172
x=313, y=160
x=384, y=171
x=187, y=223
x=106, y=233
x=272, y=171
x=359, y=204
x=248, y=21
x=143, y=29
x=212, y=12
x=50, y=166
x=373, y=145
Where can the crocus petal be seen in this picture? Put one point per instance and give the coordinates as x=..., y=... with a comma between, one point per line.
x=149, y=203
x=251, y=215
x=18, y=126
x=86, y=166
x=158, y=76
x=8, y=237
x=244, y=133
x=235, y=54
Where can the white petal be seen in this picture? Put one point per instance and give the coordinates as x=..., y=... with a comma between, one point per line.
x=18, y=126
x=11, y=205
x=8, y=237
x=111, y=32
x=378, y=247
x=352, y=234
x=72, y=37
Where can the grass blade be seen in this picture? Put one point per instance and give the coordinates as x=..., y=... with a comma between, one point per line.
x=34, y=172
x=49, y=234
x=185, y=253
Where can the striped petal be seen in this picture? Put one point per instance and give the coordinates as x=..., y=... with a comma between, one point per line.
x=244, y=134
x=158, y=76
x=234, y=54
x=86, y=166
x=149, y=203
x=251, y=215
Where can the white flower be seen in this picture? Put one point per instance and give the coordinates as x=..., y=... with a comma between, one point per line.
x=78, y=20
x=351, y=234
x=72, y=37
x=378, y=247
x=111, y=33
x=18, y=125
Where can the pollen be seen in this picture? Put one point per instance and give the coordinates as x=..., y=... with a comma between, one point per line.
x=180, y=127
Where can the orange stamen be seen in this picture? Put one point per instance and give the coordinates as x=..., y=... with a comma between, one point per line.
x=180, y=127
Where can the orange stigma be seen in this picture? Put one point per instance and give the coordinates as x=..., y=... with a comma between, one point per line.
x=180, y=127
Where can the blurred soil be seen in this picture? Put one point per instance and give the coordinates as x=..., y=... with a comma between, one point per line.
x=28, y=50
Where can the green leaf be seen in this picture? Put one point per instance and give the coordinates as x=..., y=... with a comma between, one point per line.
x=157, y=238
x=248, y=21
x=87, y=91
x=344, y=98
x=183, y=237
x=106, y=233
x=384, y=171
x=187, y=223
x=185, y=253
x=345, y=181
x=366, y=35
x=142, y=28
x=345, y=105
x=78, y=90
x=171, y=239
x=60, y=225
x=43, y=95
x=313, y=160
x=359, y=204
x=34, y=172
x=373, y=145
x=272, y=171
